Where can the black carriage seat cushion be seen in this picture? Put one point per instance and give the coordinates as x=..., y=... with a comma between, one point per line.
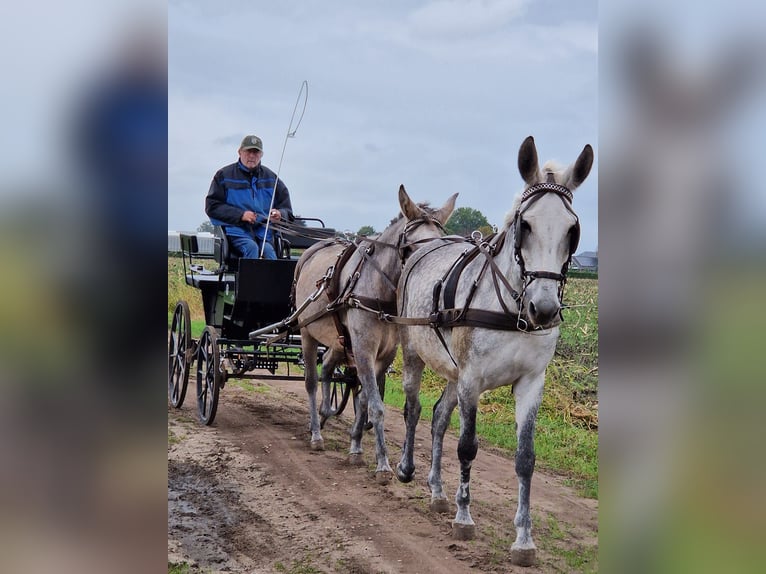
x=189, y=244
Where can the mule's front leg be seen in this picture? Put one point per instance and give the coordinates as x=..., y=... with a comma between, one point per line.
x=310, y=358
x=375, y=413
x=463, y=527
x=528, y=397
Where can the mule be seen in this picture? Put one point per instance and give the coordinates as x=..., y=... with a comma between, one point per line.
x=365, y=277
x=483, y=315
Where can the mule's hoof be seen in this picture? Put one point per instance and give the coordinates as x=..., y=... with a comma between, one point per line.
x=463, y=531
x=355, y=459
x=317, y=444
x=404, y=477
x=383, y=477
x=523, y=556
x=440, y=505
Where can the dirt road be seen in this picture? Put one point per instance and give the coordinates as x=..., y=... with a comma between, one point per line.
x=248, y=495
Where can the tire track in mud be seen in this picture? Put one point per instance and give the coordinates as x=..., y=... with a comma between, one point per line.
x=248, y=495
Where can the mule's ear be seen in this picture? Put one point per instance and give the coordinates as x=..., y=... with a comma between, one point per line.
x=446, y=210
x=409, y=207
x=528, y=166
x=581, y=167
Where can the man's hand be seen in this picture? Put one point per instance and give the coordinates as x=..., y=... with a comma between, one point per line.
x=249, y=217
x=275, y=215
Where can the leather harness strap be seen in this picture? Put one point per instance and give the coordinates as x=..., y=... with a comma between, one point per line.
x=334, y=294
x=343, y=296
x=445, y=289
x=333, y=281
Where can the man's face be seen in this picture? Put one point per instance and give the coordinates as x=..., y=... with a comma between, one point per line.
x=250, y=158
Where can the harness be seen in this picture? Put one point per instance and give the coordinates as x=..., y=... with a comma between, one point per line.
x=445, y=315
x=344, y=297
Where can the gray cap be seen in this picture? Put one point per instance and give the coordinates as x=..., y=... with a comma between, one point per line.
x=252, y=142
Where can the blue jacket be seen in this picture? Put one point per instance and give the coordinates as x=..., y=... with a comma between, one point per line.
x=235, y=189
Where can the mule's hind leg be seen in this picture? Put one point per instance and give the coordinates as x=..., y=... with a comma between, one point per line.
x=383, y=472
x=357, y=429
x=310, y=361
x=331, y=360
x=528, y=396
x=463, y=527
x=368, y=370
x=411, y=376
x=439, y=424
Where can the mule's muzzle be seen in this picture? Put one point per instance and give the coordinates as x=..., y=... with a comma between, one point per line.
x=545, y=313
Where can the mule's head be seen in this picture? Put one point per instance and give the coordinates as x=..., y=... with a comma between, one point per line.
x=418, y=223
x=545, y=231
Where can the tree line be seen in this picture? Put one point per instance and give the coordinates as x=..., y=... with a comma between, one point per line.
x=464, y=221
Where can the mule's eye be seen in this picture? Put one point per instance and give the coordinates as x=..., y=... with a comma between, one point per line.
x=521, y=233
x=526, y=229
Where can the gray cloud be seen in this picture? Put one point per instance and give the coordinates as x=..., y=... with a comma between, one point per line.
x=436, y=96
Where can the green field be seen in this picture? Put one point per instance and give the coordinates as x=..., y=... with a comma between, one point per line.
x=567, y=426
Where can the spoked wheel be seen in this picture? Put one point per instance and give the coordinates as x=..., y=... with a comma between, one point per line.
x=340, y=391
x=209, y=375
x=180, y=354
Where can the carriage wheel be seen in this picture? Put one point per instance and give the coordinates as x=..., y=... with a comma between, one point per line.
x=339, y=394
x=180, y=355
x=209, y=375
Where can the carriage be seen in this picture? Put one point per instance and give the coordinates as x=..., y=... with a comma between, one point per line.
x=245, y=302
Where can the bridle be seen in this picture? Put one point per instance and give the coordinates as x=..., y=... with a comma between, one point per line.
x=403, y=247
x=530, y=196
x=343, y=295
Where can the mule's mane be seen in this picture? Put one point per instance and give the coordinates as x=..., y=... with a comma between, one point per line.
x=424, y=206
x=561, y=175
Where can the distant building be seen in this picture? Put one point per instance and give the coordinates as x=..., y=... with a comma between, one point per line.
x=585, y=261
x=174, y=242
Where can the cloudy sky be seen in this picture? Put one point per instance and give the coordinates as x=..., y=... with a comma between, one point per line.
x=436, y=95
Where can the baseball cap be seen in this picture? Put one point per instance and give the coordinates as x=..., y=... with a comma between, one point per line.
x=252, y=142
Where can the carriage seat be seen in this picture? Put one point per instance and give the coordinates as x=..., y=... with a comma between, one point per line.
x=318, y=231
x=228, y=260
x=198, y=273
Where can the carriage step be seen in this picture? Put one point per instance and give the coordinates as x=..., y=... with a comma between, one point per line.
x=268, y=364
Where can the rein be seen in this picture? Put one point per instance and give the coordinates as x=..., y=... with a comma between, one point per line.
x=404, y=248
x=345, y=297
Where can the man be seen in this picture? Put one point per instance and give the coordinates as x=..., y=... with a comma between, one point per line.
x=240, y=201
